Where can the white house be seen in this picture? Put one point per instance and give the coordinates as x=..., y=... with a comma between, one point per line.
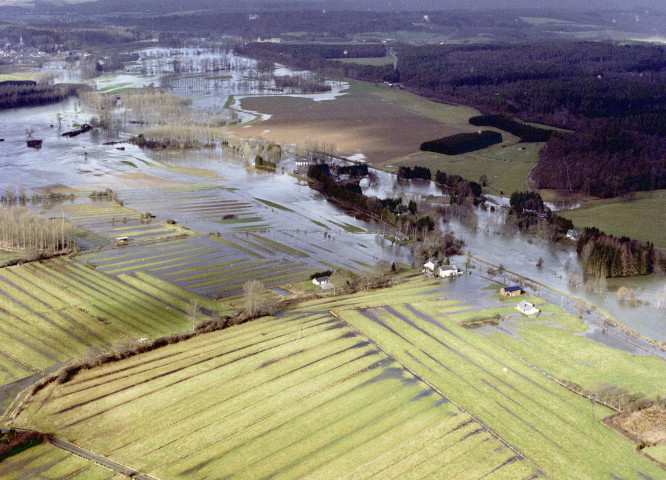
x=321, y=281
x=526, y=308
x=431, y=265
x=448, y=271
x=573, y=235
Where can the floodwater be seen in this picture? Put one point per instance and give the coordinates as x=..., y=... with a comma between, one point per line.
x=209, y=77
x=520, y=253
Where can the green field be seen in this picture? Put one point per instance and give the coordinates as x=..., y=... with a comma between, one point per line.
x=505, y=166
x=55, y=311
x=492, y=378
x=48, y=462
x=642, y=218
x=4, y=77
x=301, y=396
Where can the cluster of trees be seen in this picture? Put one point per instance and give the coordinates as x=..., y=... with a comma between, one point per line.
x=260, y=162
x=15, y=94
x=605, y=161
x=14, y=442
x=612, y=96
x=301, y=83
x=529, y=213
x=317, y=58
x=438, y=245
x=21, y=230
x=390, y=210
x=459, y=189
x=462, y=142
x=604, y=255
x=352, y=170
x=347, y=282
x=422, y=173
x=166, y=120
x=527, y=133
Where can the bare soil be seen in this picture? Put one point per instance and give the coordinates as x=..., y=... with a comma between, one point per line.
x=355, y=123
x=646, y=426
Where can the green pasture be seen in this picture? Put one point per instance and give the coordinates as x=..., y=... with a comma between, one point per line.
x=506, y=166
x=658, y=452
x=48, y=462
x=491, y=377
x=299, y=396
x=55, y=311
x=641, y=216
x=5, y=77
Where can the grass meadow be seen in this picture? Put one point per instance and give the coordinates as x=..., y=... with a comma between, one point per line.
x=56, y=310
x=642, y=217
x=48, y=462
x=299, y=396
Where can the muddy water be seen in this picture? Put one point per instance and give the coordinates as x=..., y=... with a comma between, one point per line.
x=519, y=253
x=84, y=162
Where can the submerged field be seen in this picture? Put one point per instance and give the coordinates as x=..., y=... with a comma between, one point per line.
x=301, y=396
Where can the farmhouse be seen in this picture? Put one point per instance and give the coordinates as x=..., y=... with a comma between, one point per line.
x=431, y=265
x=448, y=271
x=527, y=308
x=513, y=291
x=573, y=235
x=321, y=281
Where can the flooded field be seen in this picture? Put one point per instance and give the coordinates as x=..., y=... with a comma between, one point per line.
x=271, y=215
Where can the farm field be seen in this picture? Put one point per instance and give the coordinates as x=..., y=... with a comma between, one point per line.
x=380, y=130
x=48, y=462
x=642, y=218
x=102, y=221
x=297, y=396
x=55, y=311
x=208, y=266
x=494, y=380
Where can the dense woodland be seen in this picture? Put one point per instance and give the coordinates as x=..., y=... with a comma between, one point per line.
x=526, y=133
x=462, y=142
x=15, y=94
x=608, y=256
x=612, y=96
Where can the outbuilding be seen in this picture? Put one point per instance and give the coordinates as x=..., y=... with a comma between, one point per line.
x=513, y=291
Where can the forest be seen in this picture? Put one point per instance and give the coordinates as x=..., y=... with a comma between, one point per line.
x=593, y=89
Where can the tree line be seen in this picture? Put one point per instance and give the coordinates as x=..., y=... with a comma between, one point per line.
x=21, y=230
x=29, y=94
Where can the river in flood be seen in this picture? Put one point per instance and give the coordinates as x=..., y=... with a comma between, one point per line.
x=209, y=77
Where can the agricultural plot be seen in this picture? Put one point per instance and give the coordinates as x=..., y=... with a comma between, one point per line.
x=54, y=311
x=208, y=266
x=300, y=396
x=560, y=431
x=45, y=461
x=103, y=221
